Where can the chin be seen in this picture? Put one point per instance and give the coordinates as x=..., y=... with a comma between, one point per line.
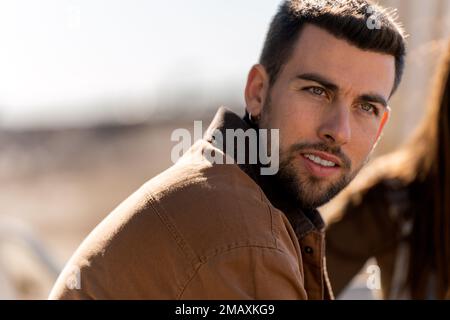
x=316, y=192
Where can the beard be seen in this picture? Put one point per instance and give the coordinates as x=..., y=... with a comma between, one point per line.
x=307, y=190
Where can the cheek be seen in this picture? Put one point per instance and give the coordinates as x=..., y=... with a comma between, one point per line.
x=297, y=124
x=296, y=121
x=363, y=140
x=367, y=132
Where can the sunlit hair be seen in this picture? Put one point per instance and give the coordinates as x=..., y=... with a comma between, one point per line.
x=429, y=158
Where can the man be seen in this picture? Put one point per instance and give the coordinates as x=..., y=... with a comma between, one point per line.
x=204, y=230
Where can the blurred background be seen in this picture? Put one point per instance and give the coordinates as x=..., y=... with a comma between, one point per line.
x=90, y=92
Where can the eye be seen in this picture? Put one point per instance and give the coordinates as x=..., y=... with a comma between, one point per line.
x=317, y=91
x=369, y=108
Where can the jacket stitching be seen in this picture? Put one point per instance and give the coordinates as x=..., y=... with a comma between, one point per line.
x=269, y=209
x=182, y=244
x=202, y=263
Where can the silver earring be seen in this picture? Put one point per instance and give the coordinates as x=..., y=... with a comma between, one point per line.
x=250, y=118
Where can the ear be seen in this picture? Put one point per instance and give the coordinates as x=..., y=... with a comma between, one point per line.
x=256, y=89
x=384, y=120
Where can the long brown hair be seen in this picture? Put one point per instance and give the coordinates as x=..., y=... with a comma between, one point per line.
x=429, y=158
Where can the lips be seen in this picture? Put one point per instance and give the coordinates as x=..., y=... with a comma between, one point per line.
x=324, y=156
x=325, y=167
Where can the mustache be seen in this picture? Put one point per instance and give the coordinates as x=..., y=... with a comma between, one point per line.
x=336, y=151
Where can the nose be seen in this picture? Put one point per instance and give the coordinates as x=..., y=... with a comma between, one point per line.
x=335, y=128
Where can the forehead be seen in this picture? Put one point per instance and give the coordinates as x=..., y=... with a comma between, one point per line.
x=351, y=68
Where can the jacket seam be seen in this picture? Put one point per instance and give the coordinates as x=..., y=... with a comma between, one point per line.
x=176, y=235
x=269, y=209
x=204, y=262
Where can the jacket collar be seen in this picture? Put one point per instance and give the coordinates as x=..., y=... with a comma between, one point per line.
x=303, y=221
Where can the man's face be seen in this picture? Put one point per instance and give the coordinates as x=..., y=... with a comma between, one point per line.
x=328, y=101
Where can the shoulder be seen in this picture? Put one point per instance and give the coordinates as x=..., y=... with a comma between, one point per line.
x=214, y=207
x=187, y=215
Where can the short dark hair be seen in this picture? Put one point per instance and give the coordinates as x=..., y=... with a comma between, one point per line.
x=345, y=19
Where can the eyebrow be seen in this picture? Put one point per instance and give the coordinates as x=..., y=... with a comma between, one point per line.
x=367, y=97
x=319, y=79
x=373, y=97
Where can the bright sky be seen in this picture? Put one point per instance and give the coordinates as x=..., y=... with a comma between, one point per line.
x=57, y=53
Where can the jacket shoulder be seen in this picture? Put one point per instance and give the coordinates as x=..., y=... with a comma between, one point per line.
x=180, y=219
x=214, y=208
